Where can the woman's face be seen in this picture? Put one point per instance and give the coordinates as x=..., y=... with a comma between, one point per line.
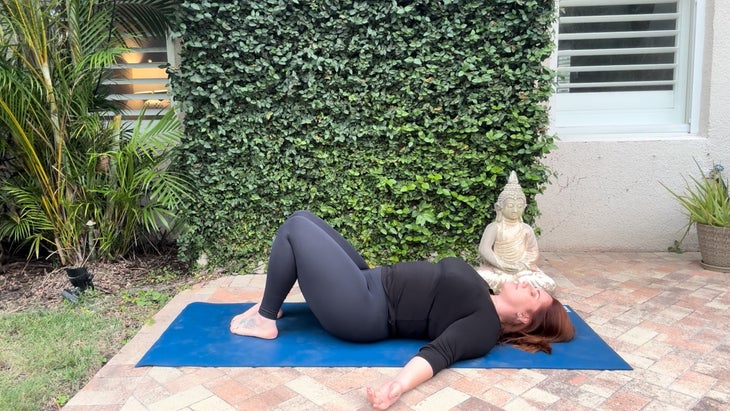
x=524, y=298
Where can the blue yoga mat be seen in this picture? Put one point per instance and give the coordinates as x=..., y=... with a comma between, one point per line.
x=199, y=337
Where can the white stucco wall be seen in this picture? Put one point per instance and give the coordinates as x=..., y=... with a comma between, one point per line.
x=607, y=196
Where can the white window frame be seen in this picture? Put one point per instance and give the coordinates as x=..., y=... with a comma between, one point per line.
x=573, y=117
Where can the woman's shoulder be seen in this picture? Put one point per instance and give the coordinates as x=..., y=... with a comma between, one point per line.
x=456, y=264
x=458, y=273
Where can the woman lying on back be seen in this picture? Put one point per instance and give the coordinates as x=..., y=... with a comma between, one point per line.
x=446, y=303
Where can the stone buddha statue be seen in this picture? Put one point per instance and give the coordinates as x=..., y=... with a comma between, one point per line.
x=508, y=247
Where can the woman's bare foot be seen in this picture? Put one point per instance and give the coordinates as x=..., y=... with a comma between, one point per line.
x=251, y=323
x=254, y=326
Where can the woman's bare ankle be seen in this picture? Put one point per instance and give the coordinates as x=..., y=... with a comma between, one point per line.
x=254, y=310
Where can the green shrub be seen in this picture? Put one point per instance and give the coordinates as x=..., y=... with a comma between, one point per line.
x=396, y=121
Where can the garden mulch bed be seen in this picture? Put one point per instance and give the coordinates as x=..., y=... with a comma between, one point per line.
x=25, y=284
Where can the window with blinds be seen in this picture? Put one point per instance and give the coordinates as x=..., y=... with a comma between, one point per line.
x=139, y=79
x=623, y=64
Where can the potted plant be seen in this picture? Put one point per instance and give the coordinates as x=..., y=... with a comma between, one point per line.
x=707, y=205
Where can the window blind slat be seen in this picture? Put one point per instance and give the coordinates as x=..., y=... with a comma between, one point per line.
x=135, y=81
x=617, y=35
x=596, y=3
x=618, y=84
x=618, y=67
x=618, y=52
x=139, y=96
x=618, y=18
x=150, y=112
x=122, y=66
x=147, y=50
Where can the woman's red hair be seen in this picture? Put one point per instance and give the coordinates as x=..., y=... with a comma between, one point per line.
x=547, y=326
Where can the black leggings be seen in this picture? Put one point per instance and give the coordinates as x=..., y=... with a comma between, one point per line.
x=343, y=292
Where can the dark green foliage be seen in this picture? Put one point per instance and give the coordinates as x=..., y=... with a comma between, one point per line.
x=396, y=121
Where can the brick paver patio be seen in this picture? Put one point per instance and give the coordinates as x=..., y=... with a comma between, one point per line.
x=662, y=312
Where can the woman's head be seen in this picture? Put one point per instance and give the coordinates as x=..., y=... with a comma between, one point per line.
x=531, y=318
x=518, y=302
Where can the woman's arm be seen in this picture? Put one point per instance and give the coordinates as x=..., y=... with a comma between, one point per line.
x=414, y=373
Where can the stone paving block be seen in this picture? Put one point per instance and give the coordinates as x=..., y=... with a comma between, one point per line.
x=164, y=374
x=133, y=404
x=626, y=401
x=671, y=365
x=497, y=396
x=212, y=403
x=91, y=397
x=352, y=379
x=540, y=398
x=150, y=391
x=229, y=390
x=588, y=399
x=443, y=399
x=520, y=404
x=638, y=336
x=183, y=399
x=567, y=404
x=518, y=383
x=352, y=401
x=694, y=384
x=471, y=386
x=657, y=405
x=476, y=404
x=297, y=403
x=312, y=390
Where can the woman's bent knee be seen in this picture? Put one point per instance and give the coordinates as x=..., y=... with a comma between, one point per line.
x=302, y=213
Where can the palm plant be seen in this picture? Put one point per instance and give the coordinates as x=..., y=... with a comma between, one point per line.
x=143, y=17
x=137, y=192
x=52, y=115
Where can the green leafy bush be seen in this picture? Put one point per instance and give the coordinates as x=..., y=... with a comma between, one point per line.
x=396, y=121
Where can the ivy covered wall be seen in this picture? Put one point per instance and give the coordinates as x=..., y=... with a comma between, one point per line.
x=396, y=121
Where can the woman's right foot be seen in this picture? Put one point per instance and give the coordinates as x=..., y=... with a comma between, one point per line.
x=251, y=323
x=254, y=326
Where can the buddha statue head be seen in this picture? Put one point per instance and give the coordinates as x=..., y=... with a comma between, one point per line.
x=512, y=201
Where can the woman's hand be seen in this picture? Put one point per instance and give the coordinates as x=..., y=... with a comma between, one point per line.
x=415, y=372
x=384, y=396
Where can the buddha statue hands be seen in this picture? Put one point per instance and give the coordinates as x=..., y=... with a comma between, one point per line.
x=508, y=247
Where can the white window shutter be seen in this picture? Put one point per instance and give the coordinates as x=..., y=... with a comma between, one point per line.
x=623, y=65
